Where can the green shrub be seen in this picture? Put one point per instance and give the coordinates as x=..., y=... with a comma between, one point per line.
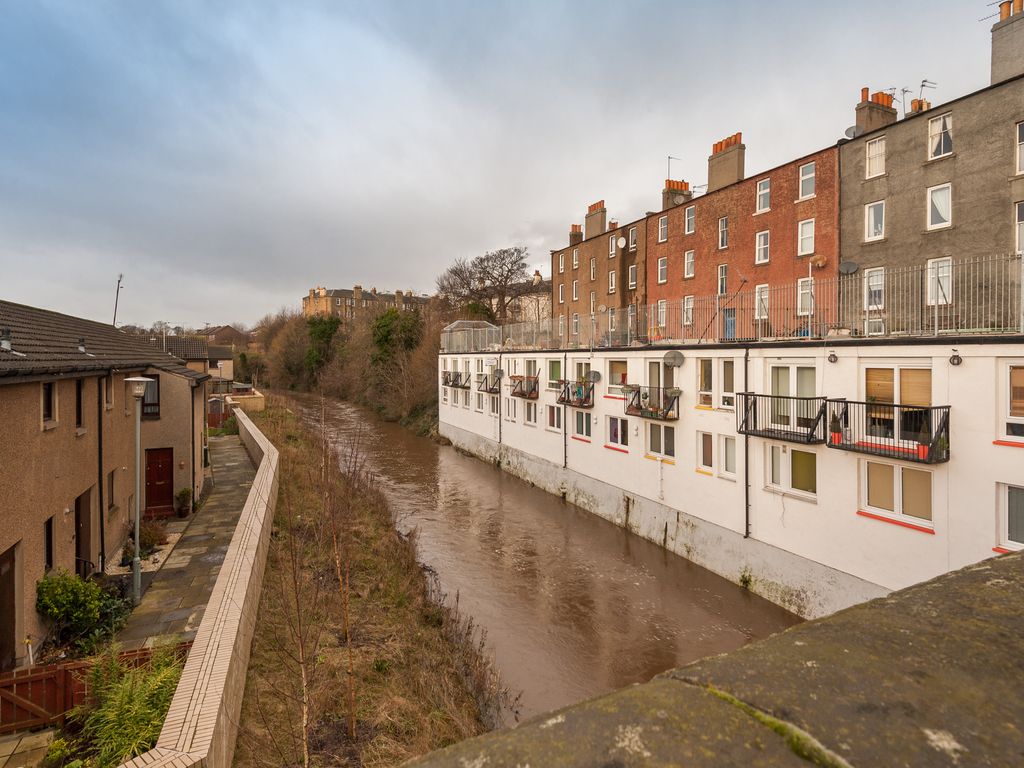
x=183, y=500
x=127, y=707
x=70, y=603
x=152, y=533
x=231, y=426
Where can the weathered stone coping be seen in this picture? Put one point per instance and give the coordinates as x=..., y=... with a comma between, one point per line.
x=202, y=722
x=932, y=675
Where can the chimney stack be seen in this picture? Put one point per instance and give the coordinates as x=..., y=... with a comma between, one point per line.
x=1008, y=41
x=875, y=111
x=919, y=105
x=597, y=219
x=575, y=234
x=725, y=166
x=357, y=292
x=675, y=193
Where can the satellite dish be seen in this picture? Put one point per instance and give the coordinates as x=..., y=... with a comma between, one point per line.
x=678, y=199
x=854, y=131
x=594, y=376
x=674, y=358
x=601, y=307
x=498, y=373
x=848, y=267
x=621, y=242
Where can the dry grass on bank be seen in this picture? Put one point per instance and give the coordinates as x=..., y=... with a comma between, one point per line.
x=420, y=678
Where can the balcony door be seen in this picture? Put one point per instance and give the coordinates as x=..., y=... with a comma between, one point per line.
x=913, y=418
x=793, y=381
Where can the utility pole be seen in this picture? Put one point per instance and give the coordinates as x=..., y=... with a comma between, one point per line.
x=117, y=295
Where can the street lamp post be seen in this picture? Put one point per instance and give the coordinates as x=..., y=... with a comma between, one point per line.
x=138, y=385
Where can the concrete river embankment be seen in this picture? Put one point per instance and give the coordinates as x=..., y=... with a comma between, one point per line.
x=573, y=605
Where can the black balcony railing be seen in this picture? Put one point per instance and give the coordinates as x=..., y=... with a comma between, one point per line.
x=448, y=378
x=463, y=380
x=907, y=432
x=525, y=386
x=778, y=417
x=578, y=394
x=661, y=403
x=488, y=382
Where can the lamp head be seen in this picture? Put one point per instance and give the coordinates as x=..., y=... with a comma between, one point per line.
x=138, y=385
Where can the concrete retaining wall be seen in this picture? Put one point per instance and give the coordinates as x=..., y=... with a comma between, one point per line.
x=202, y=722
x=794, y=582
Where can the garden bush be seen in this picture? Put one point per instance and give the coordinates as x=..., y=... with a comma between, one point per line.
x=152, y=533
x=70, y=603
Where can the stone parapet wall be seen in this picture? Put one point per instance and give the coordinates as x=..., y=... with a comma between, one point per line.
x=202, y=722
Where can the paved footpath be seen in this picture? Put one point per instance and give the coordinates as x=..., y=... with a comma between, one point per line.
x=175, y=601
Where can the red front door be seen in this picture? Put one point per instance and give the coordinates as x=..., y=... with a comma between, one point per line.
x=159, y=480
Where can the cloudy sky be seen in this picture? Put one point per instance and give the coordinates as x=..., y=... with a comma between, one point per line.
x=226, y=156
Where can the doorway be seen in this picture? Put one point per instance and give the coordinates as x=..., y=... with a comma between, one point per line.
x=83, y=535
x=159, y=481
x=7, y=606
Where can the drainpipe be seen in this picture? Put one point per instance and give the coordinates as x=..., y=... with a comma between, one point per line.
x=565, y=427
x=192, y=455
x=99, y=471
x=746, y=453
x=499, y=404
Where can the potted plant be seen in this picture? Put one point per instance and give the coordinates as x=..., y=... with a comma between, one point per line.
x=183, y=502
x=924, y=439
x=835, y=426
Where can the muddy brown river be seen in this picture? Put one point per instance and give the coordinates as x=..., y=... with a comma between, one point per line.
x=574, y=606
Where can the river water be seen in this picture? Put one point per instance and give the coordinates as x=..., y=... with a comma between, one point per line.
x=573, y=605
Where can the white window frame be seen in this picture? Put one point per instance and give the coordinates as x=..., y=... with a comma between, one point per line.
x=632, y=276
x=553, y=383
x=869, y=276
x=593, y=267
x=495, y=407
x=1018, y=225
x=933, y=276
x=807, y=175
x=874, y=149
x=561, y=293
x=661, y=429
x=561, y=263
x=510, y=409
x=723, y=233
x=662, y=311
x=663, y=229
x=690, y=220
x=611, y=246
x=622, y=427
x=1006, y=418
x=1004, y=517
x=784, y=485
x=705, y=395
x=575, y=290
x=805, y=289
x=611, y=319
x=726, y=397
x=561, y=326
x=575, y=258
x=897, y=498
x=868, y=207
x=1020, y=147
x=581, y=421
x=530, y=415
x=928, y=208
x=687, y=310
x=556, y=411
x=723, y=279
x=701, y=466
x=575, y=324
x=723, y=452
x=762, y=247
x=689, y=264
x=632, y=238
x=764, y=189
x=761, y=302
x=611, y=281
x=800, y=251
x=662, y=269
x=479, y=402
x=593, y=302
x=935, y=130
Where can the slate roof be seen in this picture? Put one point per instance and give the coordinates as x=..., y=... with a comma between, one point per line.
x=183, y=347
x=45, y=342
x=220, y=352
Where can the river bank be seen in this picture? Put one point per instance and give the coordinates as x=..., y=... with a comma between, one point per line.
x=420, y=679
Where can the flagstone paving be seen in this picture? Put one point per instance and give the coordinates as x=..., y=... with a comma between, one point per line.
x=173, y=605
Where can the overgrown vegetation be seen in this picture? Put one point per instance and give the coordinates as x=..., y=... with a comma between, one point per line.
x=124, y=713
x=83, y=614
x=355, y=661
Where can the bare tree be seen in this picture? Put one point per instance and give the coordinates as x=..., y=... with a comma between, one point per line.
x=495, y=280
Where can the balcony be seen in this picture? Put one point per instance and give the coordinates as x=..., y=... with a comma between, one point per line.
x=906, y=432
x=526, y=387
x=659, y=403
x=777, y=417
x=448, y=378
x=488, y=382
x=578, y=394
